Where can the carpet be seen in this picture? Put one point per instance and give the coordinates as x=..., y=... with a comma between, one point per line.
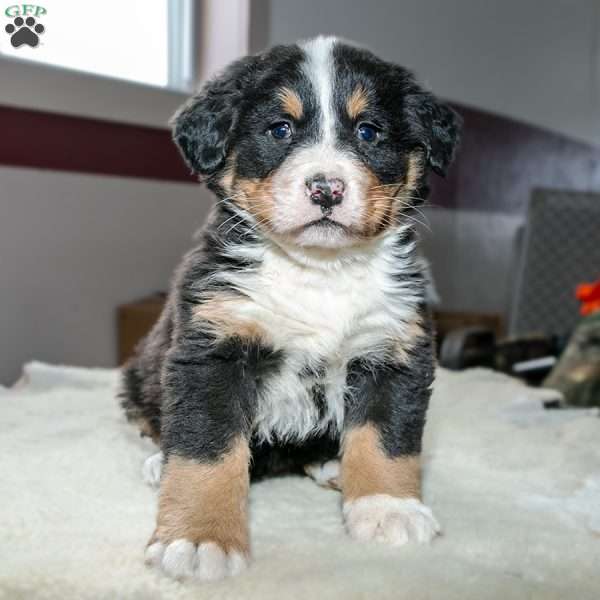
x=515, y=487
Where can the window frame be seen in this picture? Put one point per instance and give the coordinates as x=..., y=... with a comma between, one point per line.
x=38, y=86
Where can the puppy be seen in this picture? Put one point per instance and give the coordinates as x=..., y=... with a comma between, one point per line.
x=297, y=332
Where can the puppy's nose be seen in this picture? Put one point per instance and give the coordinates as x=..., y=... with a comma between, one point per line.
x=326, y=192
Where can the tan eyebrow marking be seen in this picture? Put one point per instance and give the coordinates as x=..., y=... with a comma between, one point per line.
x=291, y=103
x=357, y=102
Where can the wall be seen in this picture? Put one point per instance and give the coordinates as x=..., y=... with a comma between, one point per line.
x=73, y=247
x=531, y=60
x=536, y=62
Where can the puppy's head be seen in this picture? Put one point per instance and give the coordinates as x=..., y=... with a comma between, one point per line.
x=322, y=143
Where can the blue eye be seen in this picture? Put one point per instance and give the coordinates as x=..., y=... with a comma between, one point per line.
x=366, y=132
x=280, y=131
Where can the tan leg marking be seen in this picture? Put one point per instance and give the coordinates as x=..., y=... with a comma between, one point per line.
x=291, y=103
x=357, y=102
x=366, y=470
x=206, y=502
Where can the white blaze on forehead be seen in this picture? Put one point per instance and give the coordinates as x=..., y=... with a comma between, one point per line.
x=320, y=71
x=295, y=209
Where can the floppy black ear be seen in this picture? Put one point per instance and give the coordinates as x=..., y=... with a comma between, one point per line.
x=437, y=129
x=202, y=127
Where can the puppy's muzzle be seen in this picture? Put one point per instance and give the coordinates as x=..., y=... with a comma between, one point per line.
x=325, y=192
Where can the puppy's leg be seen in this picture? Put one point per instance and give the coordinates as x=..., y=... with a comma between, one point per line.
x=202, y=528
x=380, y=472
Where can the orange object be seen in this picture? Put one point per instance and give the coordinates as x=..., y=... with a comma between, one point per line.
x=589, y=296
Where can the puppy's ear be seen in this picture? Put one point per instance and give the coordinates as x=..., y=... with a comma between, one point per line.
x=436, y=128
x=202, y=128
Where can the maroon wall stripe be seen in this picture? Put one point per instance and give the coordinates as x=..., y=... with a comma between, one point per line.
x=500, y=160
x=46, y=140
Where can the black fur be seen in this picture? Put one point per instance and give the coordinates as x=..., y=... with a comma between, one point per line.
x=394, y=396
x=199, y=393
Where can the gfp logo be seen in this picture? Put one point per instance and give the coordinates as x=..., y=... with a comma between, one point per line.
x=25, y=30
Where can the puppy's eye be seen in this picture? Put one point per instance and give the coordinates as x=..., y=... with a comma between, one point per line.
x=367, y=132
x=280, y=131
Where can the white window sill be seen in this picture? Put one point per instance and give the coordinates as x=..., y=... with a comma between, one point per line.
x=37, y=86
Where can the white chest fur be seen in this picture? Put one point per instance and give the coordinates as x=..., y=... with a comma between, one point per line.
x=321, y=315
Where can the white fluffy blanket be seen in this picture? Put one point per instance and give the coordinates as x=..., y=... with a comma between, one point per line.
x=516, y=489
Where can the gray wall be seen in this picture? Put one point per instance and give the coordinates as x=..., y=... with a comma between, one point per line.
x=537, y=62
x=472, y=256
x=72, y=248
x=531, y=60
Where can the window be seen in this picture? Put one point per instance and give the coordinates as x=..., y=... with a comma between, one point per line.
x=136, y=40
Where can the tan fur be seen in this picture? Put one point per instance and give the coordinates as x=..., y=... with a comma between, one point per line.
x=227, y=178
x=256, y=196
x=206, y=502
x=146, y=429
x=366, y=470
x=414, y=331
x=414, y=173
x=291, y=103
x=219, y=312
x=357, y=102
x=381, y=204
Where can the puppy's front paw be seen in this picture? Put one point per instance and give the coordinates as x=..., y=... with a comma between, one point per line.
x=390, y=520
x=182, y=559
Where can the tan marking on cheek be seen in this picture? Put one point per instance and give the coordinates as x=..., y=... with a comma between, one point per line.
x=291, y=103
x=222, y=313
x=357, y=102
x=228, y=176
x=413, y=174
x=384, y=202
x=256, y=196
x=378, y=210
x=203, y=502
x=367, y=470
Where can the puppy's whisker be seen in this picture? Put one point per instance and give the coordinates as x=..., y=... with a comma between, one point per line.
x=403, y=202
x=235, y=215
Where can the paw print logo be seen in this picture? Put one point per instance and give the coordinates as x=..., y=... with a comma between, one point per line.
x=24, y=32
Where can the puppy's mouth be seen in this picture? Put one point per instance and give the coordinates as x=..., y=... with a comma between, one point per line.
x=325, y=222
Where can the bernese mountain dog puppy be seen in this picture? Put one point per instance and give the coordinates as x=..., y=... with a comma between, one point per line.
x=296, y=336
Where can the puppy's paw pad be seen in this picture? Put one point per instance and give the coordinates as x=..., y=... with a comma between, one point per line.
x=389, y=520
x=152, y=469
x=182, y=559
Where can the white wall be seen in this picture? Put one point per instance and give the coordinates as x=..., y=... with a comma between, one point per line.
x=537, y=61
x=74, y=247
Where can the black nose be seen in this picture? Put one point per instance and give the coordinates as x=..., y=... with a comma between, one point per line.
x=326, y=192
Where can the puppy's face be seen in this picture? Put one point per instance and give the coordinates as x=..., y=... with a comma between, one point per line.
x=322, y=143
